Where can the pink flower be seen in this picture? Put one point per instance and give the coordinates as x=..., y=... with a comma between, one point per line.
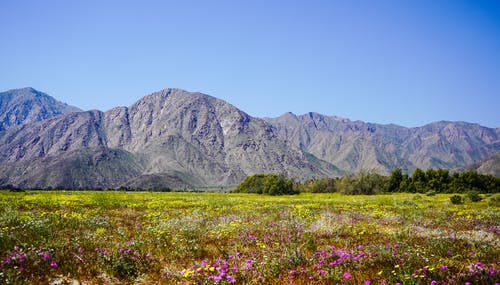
x=230, y=279
x=346, y=275
x=53, y=264
x=433, y=282
x=368, y=282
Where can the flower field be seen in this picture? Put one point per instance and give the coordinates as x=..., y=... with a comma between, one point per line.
x=214, y=238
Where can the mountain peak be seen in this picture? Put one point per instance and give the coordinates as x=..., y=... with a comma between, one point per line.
x=28, y=105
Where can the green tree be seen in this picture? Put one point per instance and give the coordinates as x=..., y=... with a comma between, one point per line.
x=365, y=182
x=406, y=184
x=324, y=185
x=419, y=180
x=395, y=180
x=271, y=184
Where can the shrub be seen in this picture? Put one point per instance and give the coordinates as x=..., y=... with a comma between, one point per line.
x=431, y=193
x=324, y=185
x=474, y=196
x=271, y=184
x=457, y=199
x=494, y=200
x=363, y=183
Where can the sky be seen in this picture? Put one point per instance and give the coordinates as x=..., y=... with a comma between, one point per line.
x=404, y=62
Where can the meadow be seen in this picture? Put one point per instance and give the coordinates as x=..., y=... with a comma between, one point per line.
x=214, y=238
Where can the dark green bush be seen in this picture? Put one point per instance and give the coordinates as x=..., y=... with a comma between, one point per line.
x=271, y=184
x=457, y=199
x=474, y=196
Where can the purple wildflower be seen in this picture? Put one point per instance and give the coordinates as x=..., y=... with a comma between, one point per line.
x=53, y=264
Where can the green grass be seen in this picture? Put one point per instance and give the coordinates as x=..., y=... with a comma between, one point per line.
x=214, y=238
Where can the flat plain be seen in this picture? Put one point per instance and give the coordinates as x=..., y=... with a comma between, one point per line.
x=94, y=237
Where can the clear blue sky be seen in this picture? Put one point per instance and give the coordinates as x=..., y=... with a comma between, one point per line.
x=404, y=62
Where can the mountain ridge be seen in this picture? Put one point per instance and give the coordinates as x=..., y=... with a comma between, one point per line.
x=27, y=105
x=203, y=140
x=352, y=145
x=189, y=139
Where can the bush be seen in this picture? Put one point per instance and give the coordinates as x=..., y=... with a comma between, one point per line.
x=363, y=183
x=431, y=193
x=324, y=185
x=457, y=199
x=271, y=184
x=474, y=196
x=494, y=200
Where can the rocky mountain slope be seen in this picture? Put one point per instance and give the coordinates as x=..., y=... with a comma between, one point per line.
x=356, y=145
x=177, y=139
x=27, y=105
x=189, y=139
x=490, y=165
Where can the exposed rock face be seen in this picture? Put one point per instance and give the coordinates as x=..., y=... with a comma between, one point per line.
x=353, y=146
x=27, y=105
x=177, y=139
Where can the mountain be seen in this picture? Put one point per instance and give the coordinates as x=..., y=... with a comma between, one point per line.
x=355, y=145
x=183, y=140
x=490, y=165
x=27, y=105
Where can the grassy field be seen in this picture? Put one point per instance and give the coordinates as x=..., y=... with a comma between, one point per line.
x=211, y=238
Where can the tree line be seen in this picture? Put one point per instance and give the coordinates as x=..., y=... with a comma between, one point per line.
x=431, y=181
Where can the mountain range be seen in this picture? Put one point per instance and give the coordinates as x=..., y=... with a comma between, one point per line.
x=179, y=139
